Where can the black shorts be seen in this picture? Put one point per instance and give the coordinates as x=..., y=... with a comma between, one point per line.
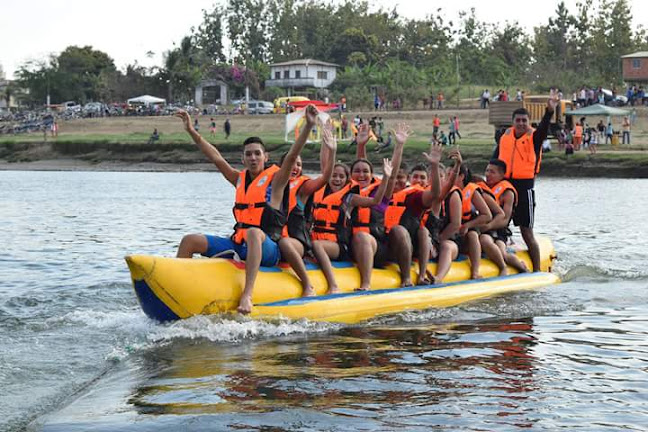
x=345, y=253
x=502, y=234
x=380, y=258
x=525, y=209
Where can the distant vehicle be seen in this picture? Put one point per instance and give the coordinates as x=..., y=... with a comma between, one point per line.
x=260, y=107
x=614, y=100
x=500, y=114
x=71, y=106
x=281, y=103
x=93, y=107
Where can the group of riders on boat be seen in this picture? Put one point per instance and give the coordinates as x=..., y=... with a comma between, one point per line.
x=348, y=213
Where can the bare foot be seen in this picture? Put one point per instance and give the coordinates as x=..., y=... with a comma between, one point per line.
x=362, y=288
x=504, y=272
x=523, y=267
x=422, y=280
x=475, y=276
x=309, y=292
x=434, y=280
x=407, y=282
x=245, y=305
x=333, y=290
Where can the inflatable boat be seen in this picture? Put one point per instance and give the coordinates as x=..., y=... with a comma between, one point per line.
x=176, y=288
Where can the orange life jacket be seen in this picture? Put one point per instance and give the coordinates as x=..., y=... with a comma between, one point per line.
x=294, y=186
x=328, y=216
x=468, y=210
x=500, y=188
x=485, y=189
x=250, y=204
x=519, y=155
x=396, y=213
x=368, y=219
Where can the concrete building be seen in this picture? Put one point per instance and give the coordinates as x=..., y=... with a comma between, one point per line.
x=301, y=74
x=4, y=84
x=635, y=67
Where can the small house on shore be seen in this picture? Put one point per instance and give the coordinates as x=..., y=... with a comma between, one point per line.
x=635, y=67
x=301, y=74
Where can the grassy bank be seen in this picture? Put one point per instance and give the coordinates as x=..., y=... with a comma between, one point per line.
x=124, y=140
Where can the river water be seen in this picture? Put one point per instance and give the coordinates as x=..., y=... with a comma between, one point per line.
x=77, y=353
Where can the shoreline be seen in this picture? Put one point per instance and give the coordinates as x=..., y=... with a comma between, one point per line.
x=584, y=167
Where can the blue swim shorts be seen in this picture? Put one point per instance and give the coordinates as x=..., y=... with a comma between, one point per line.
x=270, y=254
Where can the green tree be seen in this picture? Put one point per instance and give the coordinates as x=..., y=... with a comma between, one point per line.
x=208, y=37
x=86, y=73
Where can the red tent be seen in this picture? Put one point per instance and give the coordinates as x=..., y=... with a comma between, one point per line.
x=320, y=105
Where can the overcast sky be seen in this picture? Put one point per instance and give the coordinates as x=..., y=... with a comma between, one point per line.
x=127, y=29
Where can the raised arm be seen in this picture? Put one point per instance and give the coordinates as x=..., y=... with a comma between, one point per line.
x=433, y=157
x=282, y=176
x=543, y=128
x=401, y=134
x=360, y=201
x=452, y=177
x=361, y=140
x=327, y=158
x=208, y=149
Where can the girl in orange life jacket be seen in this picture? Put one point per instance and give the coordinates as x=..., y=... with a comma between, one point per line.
x=296, y=241
x=446, y=218
x=475, y=213
x=489, y=231
x=368, y=245
x=433, y=220
x=258, y=213
x=506, y=196
x=330, y=233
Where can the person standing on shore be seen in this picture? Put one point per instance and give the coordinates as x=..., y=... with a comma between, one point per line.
x=436, y=124
x=626, y=130
x=227, y=128
x=452, y=136
x=520, y=147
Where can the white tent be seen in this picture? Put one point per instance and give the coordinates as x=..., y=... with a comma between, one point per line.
x=146, y=100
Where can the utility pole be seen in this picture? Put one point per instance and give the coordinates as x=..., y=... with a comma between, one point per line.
x=457, y=70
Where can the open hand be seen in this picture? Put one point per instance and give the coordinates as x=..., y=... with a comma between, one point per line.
x=387, y=167
x=402, y=132
x=434, y=156
x=186, y=119
x=328, y=139
x=363, y=134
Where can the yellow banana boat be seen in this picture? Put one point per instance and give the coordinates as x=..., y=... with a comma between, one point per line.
x=175, y=288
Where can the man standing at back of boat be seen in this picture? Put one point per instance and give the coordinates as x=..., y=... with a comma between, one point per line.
x=520, y=147
x=259, y=207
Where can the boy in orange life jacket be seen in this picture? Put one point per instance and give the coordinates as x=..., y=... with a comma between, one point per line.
x=520, y=148
x=258, y=208
x=497, y=232
x=406, y=208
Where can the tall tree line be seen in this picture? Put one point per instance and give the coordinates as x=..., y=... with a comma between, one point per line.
x=379, y=49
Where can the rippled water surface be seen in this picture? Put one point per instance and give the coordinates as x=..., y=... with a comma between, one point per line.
x=78, y=354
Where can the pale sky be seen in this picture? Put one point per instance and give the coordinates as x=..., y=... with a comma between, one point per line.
x=127, y=29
